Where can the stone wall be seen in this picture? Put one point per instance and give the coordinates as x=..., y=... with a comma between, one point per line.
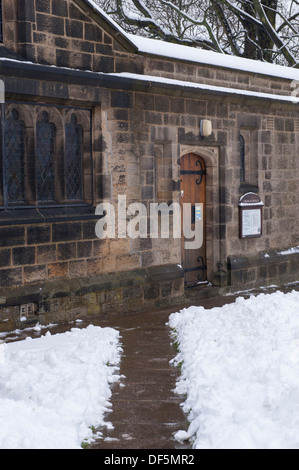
x=165, y=125
x=65, y=33
x=40, y=253
x=136, y=154
x=263, y=269
x=140, y=130
x=216, y=76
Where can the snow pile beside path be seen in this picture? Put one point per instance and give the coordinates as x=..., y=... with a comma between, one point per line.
x=53, y=389
x=240, y=372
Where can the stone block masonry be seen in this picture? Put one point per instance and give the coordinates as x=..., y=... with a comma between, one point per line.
x=62, y=33
x=66, y=250
x=139, y=131
x=139, y=137
x=99, y=295
x=264, y=269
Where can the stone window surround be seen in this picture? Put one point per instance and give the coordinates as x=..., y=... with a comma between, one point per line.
x=250, y=137
x=30, y=114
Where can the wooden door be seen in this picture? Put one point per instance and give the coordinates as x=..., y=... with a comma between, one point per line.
x=193, y=191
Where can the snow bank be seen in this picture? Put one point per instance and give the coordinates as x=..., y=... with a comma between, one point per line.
x=53, y=389
x=291, y=251
x=240, y=371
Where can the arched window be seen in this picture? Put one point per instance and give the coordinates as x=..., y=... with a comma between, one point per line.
x=242, y=158
x=45, y=163
x=73, y=160
x=45, y=156
x=14, y=159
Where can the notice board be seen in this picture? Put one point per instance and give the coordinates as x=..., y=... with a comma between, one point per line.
x=251, y=216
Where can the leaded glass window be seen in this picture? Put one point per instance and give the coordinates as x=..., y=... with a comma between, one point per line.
x=42, y=154
x=14, y=159
x=45, y=165
x=73, y=160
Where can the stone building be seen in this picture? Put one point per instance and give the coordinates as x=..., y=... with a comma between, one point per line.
x=92, y=113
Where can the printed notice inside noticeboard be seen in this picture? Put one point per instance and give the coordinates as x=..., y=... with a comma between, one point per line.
x=251, y=216
x=251, y=223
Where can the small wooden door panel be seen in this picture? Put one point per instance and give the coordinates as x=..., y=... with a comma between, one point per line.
x=193, y=191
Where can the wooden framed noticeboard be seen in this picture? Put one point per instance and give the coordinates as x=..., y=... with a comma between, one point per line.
x=251, y=216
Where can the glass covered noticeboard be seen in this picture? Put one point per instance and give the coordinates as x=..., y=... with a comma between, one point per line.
x=251, y=216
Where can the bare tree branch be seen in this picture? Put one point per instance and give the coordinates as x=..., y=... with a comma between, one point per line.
x=273, y=35
x=226, y=26
x=204, y=22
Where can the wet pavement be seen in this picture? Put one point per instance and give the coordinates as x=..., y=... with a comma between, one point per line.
x=146, y=413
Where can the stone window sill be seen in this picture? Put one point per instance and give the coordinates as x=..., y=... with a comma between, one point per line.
x=46, y=215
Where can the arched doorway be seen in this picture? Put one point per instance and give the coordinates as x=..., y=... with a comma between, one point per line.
x=193, y=191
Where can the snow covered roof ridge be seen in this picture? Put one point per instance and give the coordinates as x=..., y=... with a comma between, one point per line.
x=204, y=57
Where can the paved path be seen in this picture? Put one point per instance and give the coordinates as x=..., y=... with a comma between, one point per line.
x=146, y=412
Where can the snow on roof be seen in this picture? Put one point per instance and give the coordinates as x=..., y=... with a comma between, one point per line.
x=212, y=88
x=191, y=54
x=185, y=85
x=200, y=56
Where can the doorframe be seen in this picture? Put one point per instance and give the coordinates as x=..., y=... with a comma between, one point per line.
x=210, y=155
x=195, y=188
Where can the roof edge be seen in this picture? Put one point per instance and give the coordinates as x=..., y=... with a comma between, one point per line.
x=131, y=82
